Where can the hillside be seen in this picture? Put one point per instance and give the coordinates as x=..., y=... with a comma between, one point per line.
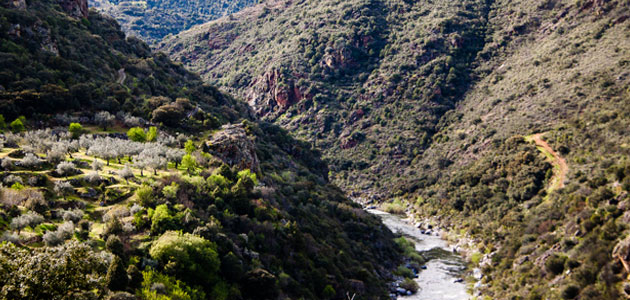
x=154, y=19
x=123, y=174
x=442, y=104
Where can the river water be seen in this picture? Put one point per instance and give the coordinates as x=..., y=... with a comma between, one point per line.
x=439, y=280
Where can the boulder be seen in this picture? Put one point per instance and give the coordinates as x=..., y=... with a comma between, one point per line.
x=75, y=8
x=232, y=145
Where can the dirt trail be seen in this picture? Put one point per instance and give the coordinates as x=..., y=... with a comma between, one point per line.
x=560, y=167
x=121, y=76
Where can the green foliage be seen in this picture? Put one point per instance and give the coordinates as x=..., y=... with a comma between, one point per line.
x=17, y=125
x=145, y=195
x=162, y=220
x=3, y=124
x=187, y=256
x=247, y=175
x=137, y=134
x=170, y=191
x=409, y=284
x=152, y=134
x=72, y=269
x=190, y=147
x=76, y=129
x=116, y=278
x=169, y=288
x=329, y=292
x=189, y=163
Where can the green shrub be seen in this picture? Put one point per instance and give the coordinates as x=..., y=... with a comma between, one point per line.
x=157, y=286
x=152, y=134
x=162, y=220
x=17, y=125
x=187, y=256
x=145, y=195
x=136, y=134
x=76, y=129
x=555, y=264
x=409, y=284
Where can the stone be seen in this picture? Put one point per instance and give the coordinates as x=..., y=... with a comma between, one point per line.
x=232, y=145
x=75, y=8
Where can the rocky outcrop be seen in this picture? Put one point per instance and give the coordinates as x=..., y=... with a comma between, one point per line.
x=269, y=92
x=75, y=8
x=18, y=4
x=234, y=147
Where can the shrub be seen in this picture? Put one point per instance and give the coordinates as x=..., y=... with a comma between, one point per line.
x=163, y=287
x=51, y=238
x=51, y=273
x=136, y=134
x=76, y=129
x=395, y=207
x=555, y=264
x=409, y=284
x=162, y=220
x=170, y=191
x=17, y=125
x=152, y=134
x=116, y=278
x=145, y=195
x=570, y=292
x=187, y=256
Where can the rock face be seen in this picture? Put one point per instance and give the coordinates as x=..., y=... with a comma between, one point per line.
x=75, y=8
x=234, y=147
x=269, y=93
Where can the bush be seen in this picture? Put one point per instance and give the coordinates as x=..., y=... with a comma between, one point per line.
x=17, y=125
x=187, y=256
x=570, y=292
x=145, y=195
x=555, y=264
x=76, y=129
x=116, y=278
x=409, y=284
x=158, y=286
x=162, y=220
x=137, y=134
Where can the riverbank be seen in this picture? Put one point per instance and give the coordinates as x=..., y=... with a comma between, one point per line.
x=442, y=276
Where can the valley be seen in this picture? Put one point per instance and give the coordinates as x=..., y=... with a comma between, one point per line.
x=298, y=149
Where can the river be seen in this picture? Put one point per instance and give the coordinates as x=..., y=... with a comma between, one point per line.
x=439, y=281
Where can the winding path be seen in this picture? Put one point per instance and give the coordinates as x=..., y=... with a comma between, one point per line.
x=560, y=167
x=121, y=76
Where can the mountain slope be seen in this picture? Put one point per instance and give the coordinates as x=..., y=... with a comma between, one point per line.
x=435, y=102
x=153, y=20
x=366, y=80
x=212, y=203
